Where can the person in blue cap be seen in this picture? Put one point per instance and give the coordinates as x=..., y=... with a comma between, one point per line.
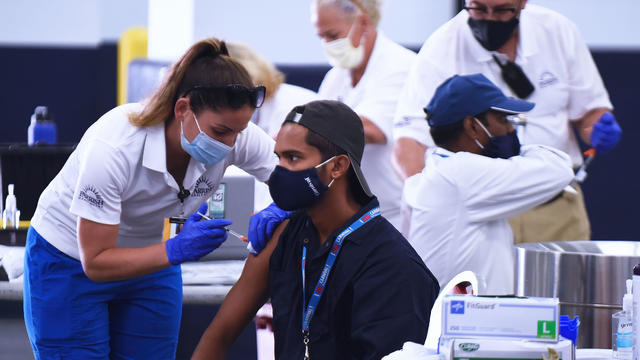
x=475, y=178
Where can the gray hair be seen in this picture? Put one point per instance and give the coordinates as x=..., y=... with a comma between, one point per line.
x=351, y=7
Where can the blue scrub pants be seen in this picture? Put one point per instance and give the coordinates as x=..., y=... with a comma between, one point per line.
x=69, y=316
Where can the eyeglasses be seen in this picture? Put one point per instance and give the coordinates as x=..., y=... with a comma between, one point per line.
x=236, y=95
x=483, y=11
x=503, y=118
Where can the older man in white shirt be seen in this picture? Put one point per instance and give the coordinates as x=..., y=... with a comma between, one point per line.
x=475, y=178
x=369, y=70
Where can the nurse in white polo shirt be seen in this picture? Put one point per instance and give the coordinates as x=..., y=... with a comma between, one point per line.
x=368, y=72
x=99, y=282
x=546, y=61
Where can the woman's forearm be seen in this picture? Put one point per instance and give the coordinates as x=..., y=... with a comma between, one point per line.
x=103, y=261
x=116, y=264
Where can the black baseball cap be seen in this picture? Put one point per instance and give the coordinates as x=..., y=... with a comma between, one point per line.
x=337, y=123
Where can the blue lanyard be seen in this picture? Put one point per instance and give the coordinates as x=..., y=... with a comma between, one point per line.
x=322, y=281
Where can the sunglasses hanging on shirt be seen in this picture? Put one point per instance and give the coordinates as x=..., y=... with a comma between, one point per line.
x=515, y=78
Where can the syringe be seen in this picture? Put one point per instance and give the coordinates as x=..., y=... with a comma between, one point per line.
x=241, y=237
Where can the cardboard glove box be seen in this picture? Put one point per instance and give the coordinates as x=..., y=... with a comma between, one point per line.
x=516, y=318
x=494, y=349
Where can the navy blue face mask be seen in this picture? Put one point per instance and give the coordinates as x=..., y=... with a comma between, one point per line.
x=504, y=146
x=295, y=190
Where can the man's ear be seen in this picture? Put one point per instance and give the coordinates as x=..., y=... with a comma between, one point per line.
x=358, y=29
x=340, y=166
x=364, y=19
x=471, y=127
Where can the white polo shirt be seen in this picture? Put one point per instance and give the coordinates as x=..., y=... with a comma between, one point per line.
x=459, y=204
x=118, y=175
x=552, y=54
x=375, y=97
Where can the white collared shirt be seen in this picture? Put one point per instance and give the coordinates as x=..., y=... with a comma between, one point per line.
x=118, y=175
x=552, y=54
x=459, y=204
x=375, y=97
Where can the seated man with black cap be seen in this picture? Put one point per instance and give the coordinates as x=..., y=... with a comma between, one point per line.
x=474, y=180
x=343, y=282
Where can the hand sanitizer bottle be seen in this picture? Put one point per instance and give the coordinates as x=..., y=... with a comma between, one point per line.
x=10, y=209
x=622, y=329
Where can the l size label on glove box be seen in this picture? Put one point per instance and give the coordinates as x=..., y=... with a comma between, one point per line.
x=500, y=317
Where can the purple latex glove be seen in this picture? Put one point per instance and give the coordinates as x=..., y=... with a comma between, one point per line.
x=606, y=133
x=197, y=238
x=263, y=224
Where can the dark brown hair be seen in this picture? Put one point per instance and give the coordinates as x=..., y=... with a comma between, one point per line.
x=206, y=63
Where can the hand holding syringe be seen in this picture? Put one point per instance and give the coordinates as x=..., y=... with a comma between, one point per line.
x=241, y=237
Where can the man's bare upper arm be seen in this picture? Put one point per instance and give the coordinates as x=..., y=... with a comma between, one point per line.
x=240, y=304
x=251, y=290
x=256, y=270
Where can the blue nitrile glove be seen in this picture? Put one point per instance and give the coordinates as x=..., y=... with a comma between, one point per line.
x=263, y=224
x=606, y=133
x=197, y=238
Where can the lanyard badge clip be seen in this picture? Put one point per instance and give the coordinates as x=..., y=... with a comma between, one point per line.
x=305, y=340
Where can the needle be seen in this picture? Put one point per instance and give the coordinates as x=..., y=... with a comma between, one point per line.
x=241, y=237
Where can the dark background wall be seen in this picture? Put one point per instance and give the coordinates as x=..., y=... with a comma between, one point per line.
x=612, y=188
x=78, y=84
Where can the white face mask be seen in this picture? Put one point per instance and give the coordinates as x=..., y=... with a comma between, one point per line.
x=342, y=54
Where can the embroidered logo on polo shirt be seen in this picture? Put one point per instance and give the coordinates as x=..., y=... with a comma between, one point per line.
x=91, y=196
x=203, y=187
x=547, y=79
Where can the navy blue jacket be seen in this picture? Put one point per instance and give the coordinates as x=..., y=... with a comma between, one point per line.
x=379, y=293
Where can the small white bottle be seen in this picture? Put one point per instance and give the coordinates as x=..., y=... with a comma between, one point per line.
x=622, y=327
x=10, y=211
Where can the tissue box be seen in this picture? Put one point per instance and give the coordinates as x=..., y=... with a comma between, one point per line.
x=498, y=349
x=466, y=316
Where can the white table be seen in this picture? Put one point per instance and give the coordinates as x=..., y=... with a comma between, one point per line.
x=205, y=283
x=192, y=294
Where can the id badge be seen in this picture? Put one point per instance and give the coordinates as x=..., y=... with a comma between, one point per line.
x=172, y=227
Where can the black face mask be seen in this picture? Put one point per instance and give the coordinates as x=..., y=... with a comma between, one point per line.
x=296, y=190
x=492, y=34
x=502, y=146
